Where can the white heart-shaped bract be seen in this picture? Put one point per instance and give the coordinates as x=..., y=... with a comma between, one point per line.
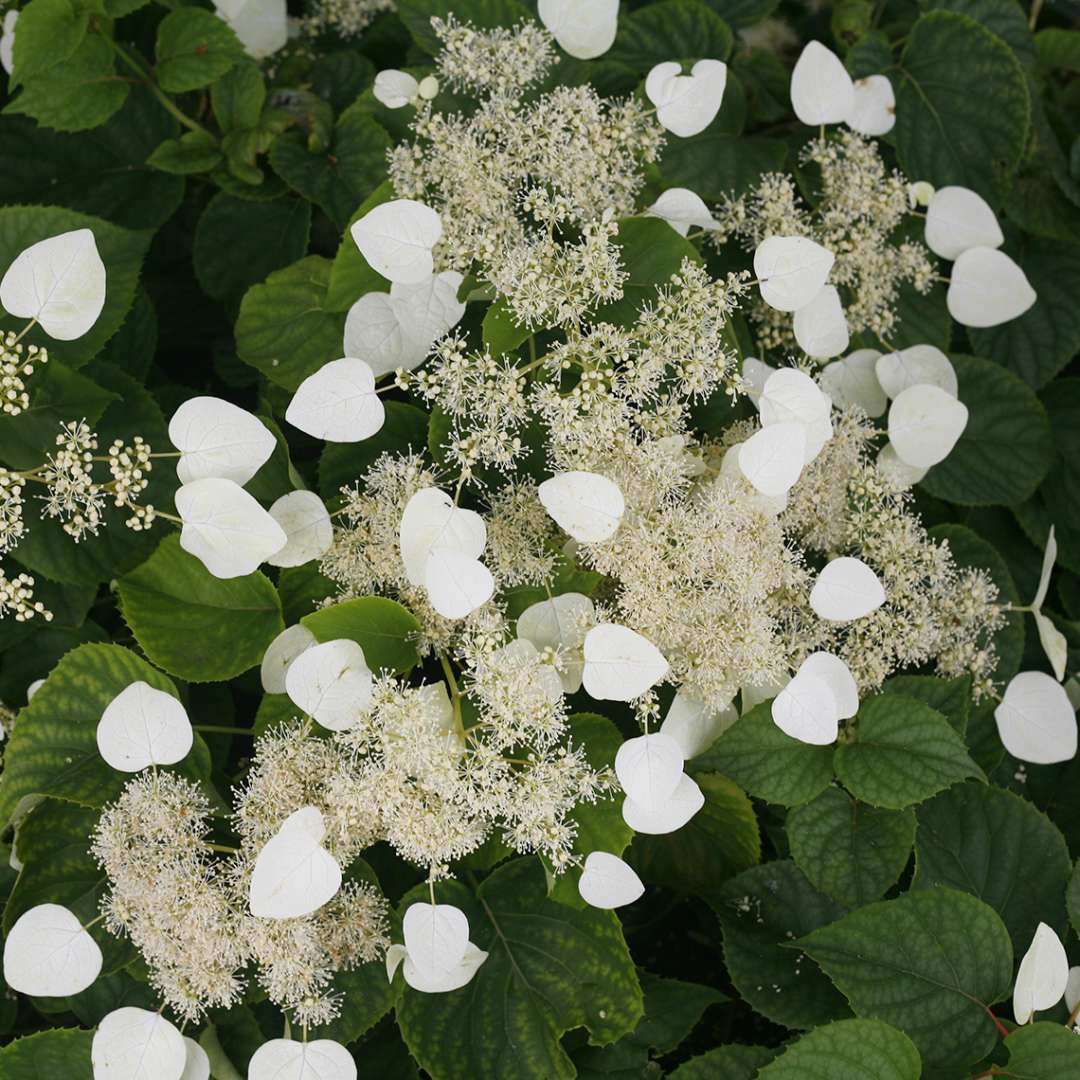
x=790, y=396
x=873, y=109
x=1072, y=989
x=1035, y=720
x=987, y=288
x=261, y=25
x=821, y=89
x=608, y=882
x=60, y=282
x=899, y=472
x=772, y=458
x=456, y=584
x=753, y=694
x=543, y=676
x=919, y=365
x=432, y=520
x=286, y=1059
x=649, y=768
x=560, y=624
x=755, y=373
x=693, y=726
x=807, y=710
x=225, y=528
x=686, y=104
x=846, y=589
x=280, y=654
x=583, y=28
x=396, y=238
x=958, y=218
x=294, y=875
x=196, y=1061
x=217, y=439
x=925, y=423
x=47, y=953
x=620, y=664
x=436, y=936
x=142, y=726
x=438, y=982
x=768, y=505
x=820, y=327
x=136, y=1044
x=1042, y=976
x=837, y=676
x=330, y=682
x=1053, y=642
x=305, y=520
x=586, y=505
x=686, y=801
x=1049, y=558
x=7, y=40
x=853, y=381
x=395, y=89
x=338, y=403
x=791, y=270
x=681, y=208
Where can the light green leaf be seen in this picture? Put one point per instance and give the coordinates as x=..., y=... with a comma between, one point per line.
x=49, y=32
x=1058, y=48
x=501, y=333
x=1043, y=1051
x=59, y=1052
x=385, y=630
x=237, y=98
x=192, y=152
x=848, y=1050
x=194, y=47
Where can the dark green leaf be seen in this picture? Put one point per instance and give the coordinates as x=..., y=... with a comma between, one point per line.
x=950, y=697
x=59, y=1052
x=1043, y=1051
x=714, y=164
x=732, y=1062
x=848, y=1050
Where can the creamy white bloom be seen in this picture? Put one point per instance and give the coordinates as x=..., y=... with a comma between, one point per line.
x=873, y=108
x=957, y=219
x=649, y=768
x=925, y=423
x=7, y=40
x=791, y=270
x=807, y=709
x=395, y=89
x=853, y=380
x=772, y=458
x=820, y=326
x=586, y=505
x=1036, y=721
x=136, y=1044
x=846, y=589
x=620, y=664
x=331, y=682
x=987, y=288
x=294, y=874
x=1042, y=976
x=280, y=654
x=560, y=624
x=914, y=366
x=287, y=1059
x=693, y=726
x=681, y=208
x=671, y=815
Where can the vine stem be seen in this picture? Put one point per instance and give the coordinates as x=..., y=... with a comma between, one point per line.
x=223, y=729
x=1033, y=17
x=455, y=693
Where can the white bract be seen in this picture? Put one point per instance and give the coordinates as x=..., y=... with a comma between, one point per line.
x=280, y=654
x=437, y=952
x=586, y=505
x=608, y=882
x=305, y=520
x=649, y=769
x=820, y=327
x=672, y=815
x=686, y=104
x=136, y=1044
x=294, y=874
x=286, y=1059
x=1035, y=720
x=261, y=25
x=7, y=40
x=791, y=270
x=432, y=520
x=218, y=439
x=925, y=423
x=1042, y=976
x=807, y=709
x=1072, y=989
x=681, y=208
x=1050, y=637
x=873, y=108
x=397, y=237
x=583, y=28
x=338, y=403
x=957, y=219
x=731, y=470
x=821, y=89
x=456, y=584
x=225, y=528
x=47, y=953
x=142, y=726
x=772, y=458
x=915, y=366
x=755, y=373
x=846, y=589
x=196, y=1061
x=837, y=676
x=60, y=282
x=693, y=726
x=792, y=397
x=987, y=288
x=395, y=89
x=560, y=624
x=898, y=471
x=330, y=682
x=853, y=381
x=620, y=664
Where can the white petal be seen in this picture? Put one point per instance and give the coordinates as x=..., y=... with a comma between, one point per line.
x=261, y=25
x=674, y=814
x=396, y=238
x=31, y=690
x=560, y=623
x=772, y=458
x=987, y=288
x=807, y=710
x=338, y=403
x=395, y=954
x=649, y=769
x=285, y=1059
x=543, y=676
x=925, y=423
x=7, y=40
x=918, y=365
x=873, y=109
x=1042, y=976
x=583, y=28
x=681, y=208
x=791, y=396
x=821, y=89
x=142, y=726
x=1036, y=721
x=837, y=676
x=307, y=820
x=432, y=520
x=196, y=1061
x=958, y=218
x=853, y=381
x=216, y=438
x=293, y=876
x=428, y=309
x=60, y=282
x=306, y=522
x=1054, y=644
x=428, y=982
x=820, y=326
x=754, y=374
x=694, y=727
x=456, y=584
x=607, y=882
x=687, y=104
x=620, y=664
x=436, y=936
x=768, y=505
x=280, y=654
x=330, y=682
x=899, y=472
x=135, y=1044
x=586, y=505
x=47, y=953
x=791, y=270
x=1072, y=989
x=846, y=589
x=395, y=89
x=225, y=528
x=1049, y=558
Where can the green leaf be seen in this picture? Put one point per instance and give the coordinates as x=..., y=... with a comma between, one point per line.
x=1006, y=448
x=237, y=98
x=762, y=911
x=672, y=1010
x=53, y=750
x=1072, y=897
x=351, y=275
x=192, y=152
x=284, y=328
x=945, y=133
x=669, y=30
x=740, y=13
x=998, y=847
x=851, y=851
x=483, y=14
x=49, y=33
x=848, y=1050
x=303, y=588
x=1058, y=48
x=732, y=1062
x=903, y=752
x=194, y=47
x=194, y=625
x=1005, y=18
x=1043, y=1051
x=385, y=630
x=59, y=1052
x=366, y=998
x=929, y=963
x=950, y=697
x=759, y=757
x=714, y=164
x=549, y=968
x=501, y=333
